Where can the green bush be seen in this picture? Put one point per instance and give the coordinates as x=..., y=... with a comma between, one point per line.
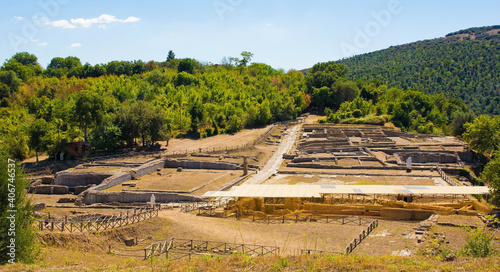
x=478, y=244
x=15, y=204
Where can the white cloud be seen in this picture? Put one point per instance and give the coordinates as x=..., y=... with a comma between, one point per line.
x=43, y=44
x=33, y=40
x=101, y=20
x=74, y=45
x=62, y=24
x=18, y=18
x=131, y=19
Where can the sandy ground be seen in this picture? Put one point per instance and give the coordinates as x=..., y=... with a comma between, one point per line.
x=290, y=237
x=223, y=140
x=189, y=179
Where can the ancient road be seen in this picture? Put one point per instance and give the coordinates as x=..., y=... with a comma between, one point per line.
x=275, y=161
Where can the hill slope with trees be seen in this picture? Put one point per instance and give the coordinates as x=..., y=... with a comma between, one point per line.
x=111, y=105
x=464, y=65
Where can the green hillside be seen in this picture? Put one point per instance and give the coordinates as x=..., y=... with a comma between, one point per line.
x=464, y=64
x=125, y=103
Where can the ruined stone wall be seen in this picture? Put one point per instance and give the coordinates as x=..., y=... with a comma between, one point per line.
x=191, y=164
x=117, y=178
x=94, y=196
x=149, y=167
x=74, y=179
x=50, y=189
x=428, y=157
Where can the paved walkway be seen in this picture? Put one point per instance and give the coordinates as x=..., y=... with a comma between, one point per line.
x=276, y=160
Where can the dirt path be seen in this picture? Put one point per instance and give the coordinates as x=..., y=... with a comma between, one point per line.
x=290, y=237
x=218, y=141
x=275, y=161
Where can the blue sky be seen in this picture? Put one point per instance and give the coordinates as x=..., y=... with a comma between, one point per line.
x=284, y=34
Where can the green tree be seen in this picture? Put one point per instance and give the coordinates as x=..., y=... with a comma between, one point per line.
x=246, y=57
x=324, y=74
x=343, y=91
x=459, y=120
x=15, y=144
x=88, y=110
x=38, y=136
x=483, y=134
x=9, y=84
x=142, y=120
x=22, y=232
x=25, y=65
x=187, y=65
x=171, y=55
x=491, y=176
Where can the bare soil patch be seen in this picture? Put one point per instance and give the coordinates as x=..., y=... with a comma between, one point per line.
x=349, y=180
x=170, y=180
x=290, y=237
x=222, y=140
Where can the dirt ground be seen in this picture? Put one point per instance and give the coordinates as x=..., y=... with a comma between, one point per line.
x=188, y=179
x=349, y=180
x=290, y=237
x=64, y=251
x=223, y=140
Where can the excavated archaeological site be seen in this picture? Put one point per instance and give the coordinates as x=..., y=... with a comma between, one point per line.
x=341, y=185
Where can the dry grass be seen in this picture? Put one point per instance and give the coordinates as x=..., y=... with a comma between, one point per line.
x=88, y=252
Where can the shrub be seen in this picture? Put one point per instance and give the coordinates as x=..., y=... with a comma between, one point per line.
x=21, y=227
x=478, y=244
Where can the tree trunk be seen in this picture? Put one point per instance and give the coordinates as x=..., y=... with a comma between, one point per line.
x=85, y=132
x=36, y=154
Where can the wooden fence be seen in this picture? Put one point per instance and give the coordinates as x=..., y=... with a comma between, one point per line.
x=361, y=236
x=97, y=222
x=210, y=211
x=181, y=248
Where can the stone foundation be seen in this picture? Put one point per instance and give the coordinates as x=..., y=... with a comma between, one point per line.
x=74, y=179
x=93, y=196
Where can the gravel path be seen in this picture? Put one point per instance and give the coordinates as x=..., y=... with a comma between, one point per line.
x=275, y=161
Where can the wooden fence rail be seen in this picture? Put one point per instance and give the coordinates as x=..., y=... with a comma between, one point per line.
x=209, y=210
x=181, y=248
x=97, y=223
x=361, y=236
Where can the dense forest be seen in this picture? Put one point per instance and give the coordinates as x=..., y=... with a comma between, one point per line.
x=111, y=105
x=345, y=101
x=463, y=65
x=131, y=103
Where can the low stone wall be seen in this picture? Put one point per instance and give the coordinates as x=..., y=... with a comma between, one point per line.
x=74, y=179
x=118, y=178
x=324, y=166
x=149, y=167
x=94, y=196
x=427, y=157
x=191, y=164
x=50, y=189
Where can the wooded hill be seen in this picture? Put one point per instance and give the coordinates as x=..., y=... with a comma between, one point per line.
x=111, y=105
x=464, y=64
